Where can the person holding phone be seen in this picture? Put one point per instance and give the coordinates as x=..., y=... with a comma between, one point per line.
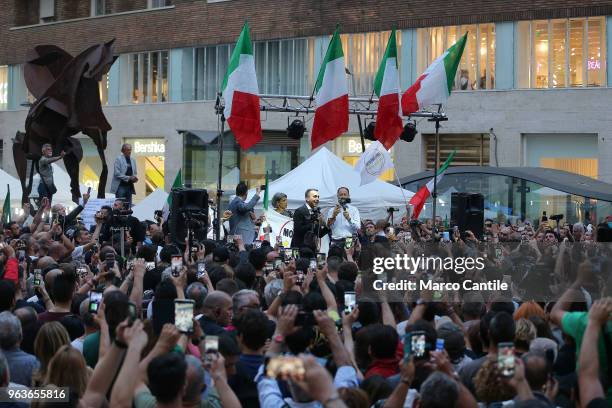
x=241, y=222
x=344, y=219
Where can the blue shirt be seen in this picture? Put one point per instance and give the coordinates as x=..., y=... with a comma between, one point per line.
x=21, y=366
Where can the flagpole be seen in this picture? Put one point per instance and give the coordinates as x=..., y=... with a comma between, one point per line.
x=437, y=118
x=219, y=174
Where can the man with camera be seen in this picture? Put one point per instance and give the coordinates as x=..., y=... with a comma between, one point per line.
x=308, y=222
x=343, y=219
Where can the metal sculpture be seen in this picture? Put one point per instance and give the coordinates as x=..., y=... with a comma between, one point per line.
x=67, y=102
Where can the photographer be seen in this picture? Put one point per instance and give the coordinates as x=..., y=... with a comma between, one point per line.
x=58, y=211
x=348, y=223
x=85, y=241
x=116, y=218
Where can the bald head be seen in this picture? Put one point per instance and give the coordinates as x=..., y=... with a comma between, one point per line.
x=57, y=251
x=537, y=370
x=218, y=307
x=26, y=315
x=45, y=262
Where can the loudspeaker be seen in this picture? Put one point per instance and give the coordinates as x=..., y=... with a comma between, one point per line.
x=467, y=212
x=189, y=210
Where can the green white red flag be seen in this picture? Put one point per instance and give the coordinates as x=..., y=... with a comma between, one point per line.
x=331, y=116
x=418, y=200
x=241, y=94
x=435, y=84
x=386, y=86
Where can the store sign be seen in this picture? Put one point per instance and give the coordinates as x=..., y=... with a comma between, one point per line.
x=149, y=146
x=593, y=64
x=354, y=146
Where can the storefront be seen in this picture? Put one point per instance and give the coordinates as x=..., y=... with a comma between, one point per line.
x=512, y=193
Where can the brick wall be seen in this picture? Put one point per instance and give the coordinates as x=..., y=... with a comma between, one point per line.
x=195, y=22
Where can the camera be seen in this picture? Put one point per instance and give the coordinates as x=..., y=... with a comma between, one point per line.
x=343, y=202
x=392, y=210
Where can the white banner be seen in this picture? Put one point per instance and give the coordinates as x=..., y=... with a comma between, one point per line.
x=93, y=205
x=280, y=225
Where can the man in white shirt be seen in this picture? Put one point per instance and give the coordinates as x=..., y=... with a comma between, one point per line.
x=343, y=219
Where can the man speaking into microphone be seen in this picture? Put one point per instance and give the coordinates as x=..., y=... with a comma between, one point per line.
x=308, y=224
x=343, y=219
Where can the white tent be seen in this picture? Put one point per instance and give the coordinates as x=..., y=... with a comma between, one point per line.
x=145, y=209
x=14, y=185
x=326, y=172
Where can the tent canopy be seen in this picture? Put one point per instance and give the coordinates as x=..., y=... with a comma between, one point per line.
x=326, y=172
x=145, y=209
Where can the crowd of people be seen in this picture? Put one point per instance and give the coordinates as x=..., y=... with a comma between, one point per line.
x=123, y=316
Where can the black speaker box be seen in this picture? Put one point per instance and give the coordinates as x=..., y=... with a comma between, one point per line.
x=189, y=210
x=467, y=212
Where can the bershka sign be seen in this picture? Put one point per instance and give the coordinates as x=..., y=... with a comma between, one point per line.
x=149, y=146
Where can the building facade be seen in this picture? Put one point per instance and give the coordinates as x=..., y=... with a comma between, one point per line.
x=531, y=89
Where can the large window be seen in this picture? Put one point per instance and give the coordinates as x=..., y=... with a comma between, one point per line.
x=477, y=68
x=561, y=53
x=98, y=7
x=363, y=53
x=3, y=87
x=148, y=76
x=472, y=149
x=283, y=67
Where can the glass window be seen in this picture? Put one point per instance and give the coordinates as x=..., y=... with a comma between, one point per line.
x=362, y=53
x=472, y=149
x=477, y=67
x=561, y=53
x=540, y=47
x=577, y=69
x=103, y=87
x=3, y=87
x=158, y=3
x=149, y=76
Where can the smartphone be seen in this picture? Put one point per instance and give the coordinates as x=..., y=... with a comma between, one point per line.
x=149, y=266
x=313, y=264
x=211, y=348
x=285, y=366
x=348, y=243
x=132, y=313
x=176, y=265
x=300, y=277
x=262, y=187
x=305, y=319
x=505, y=359
x=277, y=262
x=446, y=236
x=88, y=190
x=201, y=269
x=95, y=298
x=163, y=312
x=279, y=240
x=37, y=277
x=417, y=344
x=230, y=239
x=256, y=244
x=498, y=253
x=81, y=271
x=390, y=231
x=283, y=253
x=183, y=315
x=21, y=255
x=295, y=253
x=439, y=344
x=349, y=301
x=110, y=264
x=321, y=260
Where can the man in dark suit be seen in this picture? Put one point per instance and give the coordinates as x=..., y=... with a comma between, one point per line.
x=308, y=223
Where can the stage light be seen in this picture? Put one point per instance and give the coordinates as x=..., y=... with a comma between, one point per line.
x=368, y=132
x=296, y=129
x=409, y=132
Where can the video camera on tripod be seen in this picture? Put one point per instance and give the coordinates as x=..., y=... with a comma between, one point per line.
x=188, y=217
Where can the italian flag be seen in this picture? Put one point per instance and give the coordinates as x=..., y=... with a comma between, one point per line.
x=386, y=85
x=418, y=200
x=434, y=86
x=331, y=117
x=241, y=93
x=178, y=183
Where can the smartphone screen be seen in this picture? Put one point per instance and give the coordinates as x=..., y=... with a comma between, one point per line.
x=407, y=346
x=417, y=344
x=211, y=344
x=348, y=243
x=177, y=264
x=277, y=262
x=132, y=313
x=37, y=277
x=95, y=298
x=300, y=277
x=256, y=244
x=230, y=239
x=149, y=266
x=285, y=366
x=349, y=301
x=183, y=315
x=439, y=344
x=81, y=271
x=313, y=264
x=320, y=260
x=505, y=359
x=201, y=269
x=295, y=253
